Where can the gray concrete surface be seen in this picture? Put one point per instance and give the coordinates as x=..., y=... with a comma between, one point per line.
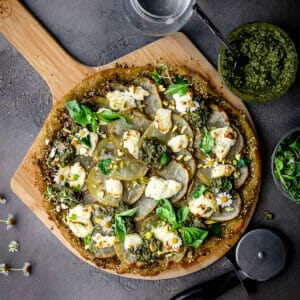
x=95, y=32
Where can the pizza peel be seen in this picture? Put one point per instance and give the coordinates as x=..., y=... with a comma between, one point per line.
x=61, y=72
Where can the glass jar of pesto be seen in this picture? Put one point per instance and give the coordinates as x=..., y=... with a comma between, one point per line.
x=270, y=66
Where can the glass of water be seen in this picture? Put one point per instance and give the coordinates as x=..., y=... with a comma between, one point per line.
x=158, y=17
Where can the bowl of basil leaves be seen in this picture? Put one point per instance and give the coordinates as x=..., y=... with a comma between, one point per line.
x=285, y=164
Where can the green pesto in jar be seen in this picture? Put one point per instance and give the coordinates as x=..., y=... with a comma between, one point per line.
x=270, y=67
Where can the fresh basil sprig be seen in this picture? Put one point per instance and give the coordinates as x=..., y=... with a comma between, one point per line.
x=120, y=225
x=201, y=189
x=83, y=115
x=207, y=143
x=108, y=116
x=180, y=86
x=243, y=162
x=192, y=236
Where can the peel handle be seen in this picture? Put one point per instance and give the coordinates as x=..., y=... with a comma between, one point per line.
x=211, y=289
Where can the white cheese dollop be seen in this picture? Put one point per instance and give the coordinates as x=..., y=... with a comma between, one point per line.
x=125, y=100
x=178, y=142
x=163, y=120
x=132, y=241
x=221, y=170
x=114, y=187
x=131, y=139
x=170, y=239
x=224, y=139
x=79, y=220
x=102, y=241
x=203, y=206
x=119, y=100
x=158, y=188
x=185, y=103
x=74, y=174
x=137, y=92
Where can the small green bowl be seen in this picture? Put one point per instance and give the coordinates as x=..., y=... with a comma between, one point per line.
x=291, y=134
x=271, y=62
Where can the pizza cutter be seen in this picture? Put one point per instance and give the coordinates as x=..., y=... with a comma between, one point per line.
x=259, y=255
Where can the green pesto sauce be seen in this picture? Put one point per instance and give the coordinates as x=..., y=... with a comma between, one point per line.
x=271, y=65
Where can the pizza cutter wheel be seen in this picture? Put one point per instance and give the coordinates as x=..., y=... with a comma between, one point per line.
x=259, y=255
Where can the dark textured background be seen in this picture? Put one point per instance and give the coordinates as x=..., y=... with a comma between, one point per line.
x=95, y=32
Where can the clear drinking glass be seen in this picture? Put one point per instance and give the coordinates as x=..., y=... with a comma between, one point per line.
x=158, y=17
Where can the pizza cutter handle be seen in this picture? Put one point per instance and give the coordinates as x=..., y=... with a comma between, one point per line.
x=211, y=289
x=52, y=62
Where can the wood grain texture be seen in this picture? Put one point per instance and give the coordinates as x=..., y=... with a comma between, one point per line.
x=62, y=73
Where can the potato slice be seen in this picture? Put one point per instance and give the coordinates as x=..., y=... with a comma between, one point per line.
x=225, y=215
x=238, y=147
x=176, y=171
x=132, y=191
x=145, y=206
x=244, y=173
x=96, y=187
x=127, y=257
x=102, y=252
x=152, y=102
x=218, y=117
x=186, y=158
x=125, y=168
x=116, y=129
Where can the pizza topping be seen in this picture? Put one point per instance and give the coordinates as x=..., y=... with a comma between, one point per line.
x=178, y=142
x=102, y=241
x=224, y=139
x=163, y=120
x=153, y=153
x=170, y=239
x=125, y=100
x=74, y=175
x=79, y=220
x=114, y=187
x=224, y=200
x=132, y=241
x=85, y=142
x=131, y=140
x=221, y=170
x=203, y=206
x=158, y=188
x=106, y=224
x=185, y=102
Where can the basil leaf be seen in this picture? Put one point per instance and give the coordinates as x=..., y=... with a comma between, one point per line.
x=105, y=166
x=157, y=77
x=180, y=88
x=182, y=214
x=243, y=162
x=86, y=141
x=79, y=112
x=120, y=228
x=166, y=211
x=108, y=116
x=227, y=185
x=87, y=242
x=192, y=236
x=128, y=213
x=165, y=158
x=207, y=143
x=201, y=189
x=215, y=230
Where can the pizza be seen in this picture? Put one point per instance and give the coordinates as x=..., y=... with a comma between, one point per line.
x=146, y=169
